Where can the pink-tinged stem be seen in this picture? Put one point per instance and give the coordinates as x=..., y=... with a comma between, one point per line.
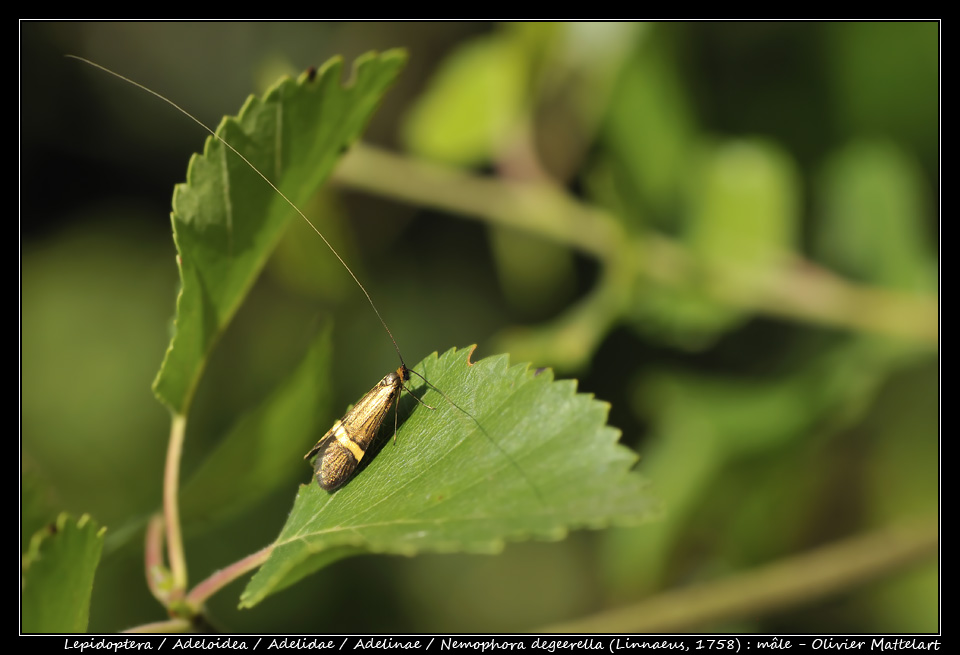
x=173, y=625
x=158, y=576
x=220, y=579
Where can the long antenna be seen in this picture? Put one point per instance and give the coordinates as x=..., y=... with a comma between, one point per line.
x=265, y=179
x=330, y=247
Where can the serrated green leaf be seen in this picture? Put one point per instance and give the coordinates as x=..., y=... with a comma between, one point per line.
x=260, y=449
x=57, y=577
x=538, y=461
x=38, y=505
x=227, y=220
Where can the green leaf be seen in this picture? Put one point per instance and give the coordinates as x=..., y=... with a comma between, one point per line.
x=746, y=207
x=703, y=425
x=57, y=577
x=650, y=129
x=258, y=453
x=742, y=225
x=38, y=503
x=874, y=217
x=227, y=220
x=537, y=461
x=473, y=102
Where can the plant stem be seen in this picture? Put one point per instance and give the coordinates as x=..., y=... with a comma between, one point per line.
x=171, y=507
x=172, y=625
x=219, y=579
x=537, y=207
x=158, y=576
x=774, y=587
x=799, y=290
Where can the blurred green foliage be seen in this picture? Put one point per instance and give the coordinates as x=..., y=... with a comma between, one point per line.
x=751, y=146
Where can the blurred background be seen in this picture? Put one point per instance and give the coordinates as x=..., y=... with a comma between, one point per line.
x=763, y=324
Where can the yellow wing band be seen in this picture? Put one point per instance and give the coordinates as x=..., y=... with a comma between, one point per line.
x=343, y=437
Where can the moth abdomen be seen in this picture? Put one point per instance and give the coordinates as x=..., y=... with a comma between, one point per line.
x=336, y=461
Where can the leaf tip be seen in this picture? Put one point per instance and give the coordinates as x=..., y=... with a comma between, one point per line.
x=470, y=350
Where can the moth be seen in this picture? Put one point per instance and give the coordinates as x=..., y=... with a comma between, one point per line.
x=338, y=453
x=340, y=450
